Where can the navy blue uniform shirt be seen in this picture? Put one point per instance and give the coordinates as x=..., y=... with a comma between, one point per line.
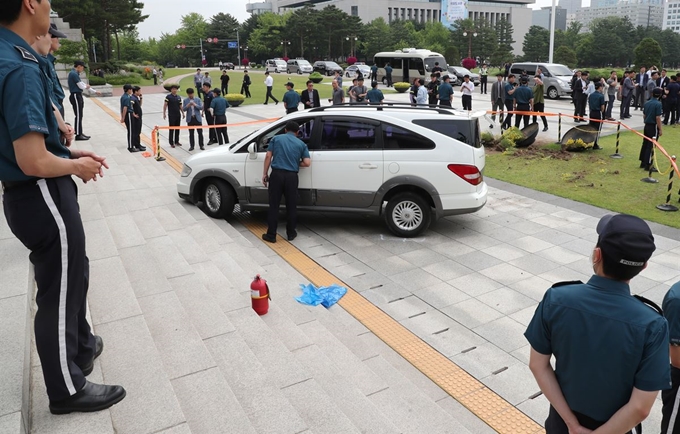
x=671, y=310
x=605, y=342
x=445, y=91
x=174, y=105
x=24, y=108
x=287, y=151
x=292, y=99
x=57, y=90
x=219, y=106
x=73, y=80
x=522, y=95
x=596, y=101
x=126, y=101
x=651, y=110
x=508, y=88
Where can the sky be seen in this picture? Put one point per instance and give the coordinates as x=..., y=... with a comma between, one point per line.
x=165, y=15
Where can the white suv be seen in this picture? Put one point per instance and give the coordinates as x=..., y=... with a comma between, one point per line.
x=405, y=164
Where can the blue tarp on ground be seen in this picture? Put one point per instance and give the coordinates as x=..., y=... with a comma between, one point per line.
x=327, y=296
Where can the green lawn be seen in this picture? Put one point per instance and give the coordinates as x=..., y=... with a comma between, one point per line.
x=259, y=91
x=594, y=178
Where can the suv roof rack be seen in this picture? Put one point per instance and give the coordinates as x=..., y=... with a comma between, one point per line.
x=391, y=105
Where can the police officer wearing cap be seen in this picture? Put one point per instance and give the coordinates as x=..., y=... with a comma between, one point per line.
x=173, y=107
x=127, y=113
x=291, y=99
x=610, y=348
x=670, y=422
x=58, y=91
x=41, y=207
x=652, y=112
x=524, y=101
x=218, y=108
x=76, y=88
x=208, y=96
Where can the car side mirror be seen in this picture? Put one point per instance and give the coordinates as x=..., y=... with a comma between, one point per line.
x=252, y=151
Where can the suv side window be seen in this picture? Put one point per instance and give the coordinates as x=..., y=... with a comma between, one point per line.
x=517, y=70
x=348, y=134
x=463, y=130
x=399, y=138
x=304, y=134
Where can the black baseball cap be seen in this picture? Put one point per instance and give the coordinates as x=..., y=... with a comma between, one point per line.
x=290, y=83
x=657, y=91
x=79, y=63
x=625, y=239
x=55, y=32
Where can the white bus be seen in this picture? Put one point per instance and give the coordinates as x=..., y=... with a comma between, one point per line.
x=408, y=64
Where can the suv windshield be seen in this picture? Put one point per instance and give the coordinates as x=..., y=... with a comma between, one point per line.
x=560, y=70
x=280, y=62
x=463, y=71
x=332, y=65
x=303, y=63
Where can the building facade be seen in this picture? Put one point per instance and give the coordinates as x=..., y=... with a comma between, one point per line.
x=640, y=12
x=671, y=15
x=570, y=5
x=541, y=18
x=515, y=12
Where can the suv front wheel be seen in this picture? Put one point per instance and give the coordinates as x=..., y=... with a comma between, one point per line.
x=407, y=214
x=217, y=199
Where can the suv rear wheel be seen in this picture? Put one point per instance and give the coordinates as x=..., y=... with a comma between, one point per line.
x=217, y=199
x=407, y=214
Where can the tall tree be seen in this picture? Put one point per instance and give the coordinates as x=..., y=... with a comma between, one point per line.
x=566, y=56
x=504, y=51
x=434, y=37
x=265, y=40
x=303, y=28
x=648, y=53
x=223, y=27
x=536, y=44
x=376, y=37
x=192, y=33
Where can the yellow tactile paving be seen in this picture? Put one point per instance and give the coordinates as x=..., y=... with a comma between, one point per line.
x=470, y=392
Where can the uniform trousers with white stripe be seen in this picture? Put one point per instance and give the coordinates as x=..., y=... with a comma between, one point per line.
x=131, y=127
x=45, y=217
x=670, y=422
x=76, y=100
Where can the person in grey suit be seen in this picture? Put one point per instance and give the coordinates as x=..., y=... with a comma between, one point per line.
x=651, y=85
x=627, y=93
x=497, y=98
x=192, y=107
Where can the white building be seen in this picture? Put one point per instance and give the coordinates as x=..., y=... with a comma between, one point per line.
x=570, y=5
x=640, y=12
x=514, y=11
x=671, y=15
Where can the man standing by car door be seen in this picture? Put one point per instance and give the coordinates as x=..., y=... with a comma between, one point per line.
x=286, y=154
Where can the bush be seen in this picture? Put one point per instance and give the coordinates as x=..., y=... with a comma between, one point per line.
x=168, y=84
x=401, y=86
x=577, y=145
x=245, y=61
x=513, y=134
x=234, y=97
x=469, y=63
x=488, y=139
x=506, y=143
x=316, y=77
x=121, y=79
x=351, y=60
x=96, y=80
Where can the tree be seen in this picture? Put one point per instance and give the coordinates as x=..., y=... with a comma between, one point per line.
x=71, y=51
x=376, y=36
x=223, y=27
x=647, y=53
x=434, y=36
x=192, y=33
x=403, y=34
x=566, y=56
x=452, y=55
x=303, y=27
x=621, y=37
x=536, y=44
x=504, y=51
x=265, y=40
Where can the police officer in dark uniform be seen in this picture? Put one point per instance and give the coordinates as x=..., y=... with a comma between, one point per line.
x=76, y=88
x=41, y=206
x=137, y=100
x=670, y=422
x=611, y=348
x=208, y=96
x=652, y=112
x=127, y=114
x=219, y=107
x=285, y=154
x=510, y=87
x=56, y=84
x=524, y=101
x=173, y=107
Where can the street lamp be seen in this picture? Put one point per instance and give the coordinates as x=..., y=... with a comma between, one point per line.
x=352, y=44
x=238, y=44
x=245, y=49
x=285, y=44
x=470, y=33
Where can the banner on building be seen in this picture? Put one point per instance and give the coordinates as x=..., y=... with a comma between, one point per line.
x=453, y=10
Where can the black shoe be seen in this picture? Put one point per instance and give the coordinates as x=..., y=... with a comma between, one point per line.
x=269, y=238
x=292, y=236
x=92, y=397
x=277, y=103
x=597, y=147
x=137, y=149
x=653, y=170
x=82, y=137
x=212, y=142
x=264, y=103
x=141, y=148
x=191, y=148
x=98, y=348
x=545, y=129
x=202, y=148
x=491, y=126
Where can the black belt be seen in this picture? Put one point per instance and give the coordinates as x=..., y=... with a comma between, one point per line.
x=10, y=185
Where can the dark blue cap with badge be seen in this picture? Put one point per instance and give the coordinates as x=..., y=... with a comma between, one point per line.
x=55, y=32
x=625, y=239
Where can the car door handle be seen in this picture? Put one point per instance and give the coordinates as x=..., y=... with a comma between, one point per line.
x=368, y=166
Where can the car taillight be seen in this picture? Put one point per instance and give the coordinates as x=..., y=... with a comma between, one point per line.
x=469, y=173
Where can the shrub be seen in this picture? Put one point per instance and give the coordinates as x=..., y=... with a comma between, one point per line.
x=316, y=77
x=351, y=60
x=578, y=145
x=506, y=143
x=96, y=80
x=245, y=61
x=469, y=63
x=168, y=84
x=121, y=79
x=488, y=139
x=234, y=97
x=513, y=134
x=401, y=86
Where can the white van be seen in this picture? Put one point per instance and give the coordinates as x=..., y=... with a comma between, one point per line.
x=299, y=66
x=556, y=77
x=275, y=65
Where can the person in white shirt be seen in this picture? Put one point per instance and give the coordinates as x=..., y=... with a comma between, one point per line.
x=421, y=93
x=466, y=89
x=269, y=82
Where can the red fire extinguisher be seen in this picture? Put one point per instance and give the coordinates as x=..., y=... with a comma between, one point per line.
x=259, y=295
